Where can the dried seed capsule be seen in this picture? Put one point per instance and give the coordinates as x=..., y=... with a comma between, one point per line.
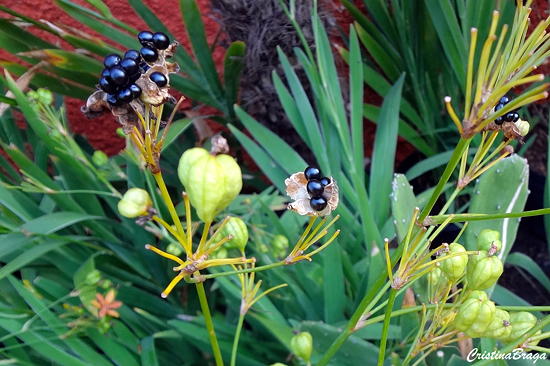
x=149, y=54
x=315, y=188
x=135, y=202
x=130, y=66
x=145, y=38
x=133, y=54
x=107, y=86
x=318, y=203
x=124, y=95
x=453, y=268
x=483, y=271
x=312, y=172
x=111, y=60
x=161, y=41
x=301, y=345
x=500, y=326
x=523, y=127
x=475, y=314
x=119, y=76
x=158, y=78
x=136, y=90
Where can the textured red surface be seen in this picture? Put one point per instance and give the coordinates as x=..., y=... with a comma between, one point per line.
x=101, y=131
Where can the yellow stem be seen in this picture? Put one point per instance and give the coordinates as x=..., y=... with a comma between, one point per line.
x=168, y=201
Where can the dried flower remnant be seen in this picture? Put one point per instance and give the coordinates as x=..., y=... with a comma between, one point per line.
x=316, y=196
x=106, y=305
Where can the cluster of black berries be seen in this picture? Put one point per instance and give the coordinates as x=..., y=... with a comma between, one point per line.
x=315, y=187
x=511, y=116
x=120, y=73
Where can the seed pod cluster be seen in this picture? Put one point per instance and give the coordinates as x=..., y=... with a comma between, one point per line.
x=316, y=184
x=119, y=77
x=511, y=116
x=475, y=314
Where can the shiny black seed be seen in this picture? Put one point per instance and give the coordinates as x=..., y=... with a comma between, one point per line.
x=136, y=90
x=133, y=78
x=508, y=117
x=161, y=41
x=499, y=121
x=149, y=54
x=106, y=85
x=133, y=54
x=145, y=38
x=312, y=172
x=106, y=73
x=315, y=188
x=158, y=78
x=318, y=203
x=516, y=117
x=111, y=60
x=124, y=95
x=129, y=65
x=504, y=100
x=119, y=76
x=498, y=107
x=325, y=181
x=111, y=98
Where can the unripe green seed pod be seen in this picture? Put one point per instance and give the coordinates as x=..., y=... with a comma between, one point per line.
x=99, y=158
x=475, y=314
x=45, y=96
x=521, y=322
x=106, y=284
x=219, y=253
x=301, y=345
x=453, y=267
x=434, y=277
x=135, y=202
x=212, y=182
x=174, y=249
x=500, y=326
x=280, y=242
x=93, y=277
x=239, y=232
x=483, y=271
x=485, y=239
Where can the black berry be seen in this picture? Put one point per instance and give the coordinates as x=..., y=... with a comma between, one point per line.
x=315, y=188
x=111, y=60
x=149, y=54
x=119, y=76
x=144, y=67
x=133, y=54
x=136, y=90
x=130, y=66
x=106, y=85
x=158, y=78
x=145, y=38
x=124, y=96
x=312, y=172
x=318, y=203
x=325, y=181
x=133, y=78
x=161, y=41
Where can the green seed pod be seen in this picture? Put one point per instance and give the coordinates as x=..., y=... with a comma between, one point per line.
x=239, y=232
x=475, y=314
x=99, y=158
x=453, y=267
x=219, y=253
x=212, y=182
x=521, y=322
x=500, y=326
x=301, y=345
x=483, y=271
x=174, y=249
x=485, y=239
x=106, y=284
x=135, y=202
x=434, y=277
x=280, y=242
x=93, y=277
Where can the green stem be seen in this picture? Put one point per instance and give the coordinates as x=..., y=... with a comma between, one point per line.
x=438, y=219
x=246, y=270
x=385, y=328
x=168, y=201
x=209, y=324
x=453, y=162
x=236, y=340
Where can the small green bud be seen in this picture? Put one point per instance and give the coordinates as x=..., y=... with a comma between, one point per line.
x=99, y=158
x=93, y=277
x=301, y=345
x=483, y=271
x=280, y=242
x=521, y=322
x=106, y=284
x=453, y=267
x=500, y=326
x=212, y=182
x=262, y=248
x=174, y=249
x=485, y=239
x=135, y=202
x=104, y=325
x=475, y=314
x=120, y=132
